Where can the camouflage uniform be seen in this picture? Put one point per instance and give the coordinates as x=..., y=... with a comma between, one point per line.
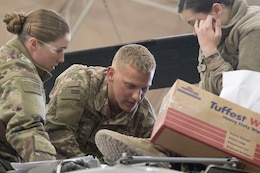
x=22, y=106
x=78, y=108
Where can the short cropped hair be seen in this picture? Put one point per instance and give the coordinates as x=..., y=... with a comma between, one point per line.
x=135, y=55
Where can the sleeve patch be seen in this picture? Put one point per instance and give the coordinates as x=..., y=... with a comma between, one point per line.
x=32, y=87
x=70, y=94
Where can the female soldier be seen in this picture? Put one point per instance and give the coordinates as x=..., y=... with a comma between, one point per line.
x=228, y=33
x=25, y=63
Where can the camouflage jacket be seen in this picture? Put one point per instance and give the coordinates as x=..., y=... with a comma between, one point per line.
x=79, y=107
x=22, y=106
x=238, y=48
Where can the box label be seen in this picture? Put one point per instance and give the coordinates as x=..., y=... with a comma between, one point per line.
x=240, y=144
x=248, y=123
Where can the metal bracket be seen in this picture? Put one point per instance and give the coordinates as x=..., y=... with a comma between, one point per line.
x=229, y=162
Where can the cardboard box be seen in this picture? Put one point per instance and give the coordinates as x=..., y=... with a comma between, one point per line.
x=196, y=123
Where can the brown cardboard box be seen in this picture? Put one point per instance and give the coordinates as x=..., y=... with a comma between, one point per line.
x=196, y=123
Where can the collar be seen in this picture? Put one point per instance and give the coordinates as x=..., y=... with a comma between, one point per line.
x=238, y=10
x=16, y=43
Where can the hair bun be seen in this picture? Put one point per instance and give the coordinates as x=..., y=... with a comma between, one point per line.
x=14, y=22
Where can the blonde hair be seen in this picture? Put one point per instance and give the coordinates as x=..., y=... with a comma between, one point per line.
x=43, y=24
x=136, y=56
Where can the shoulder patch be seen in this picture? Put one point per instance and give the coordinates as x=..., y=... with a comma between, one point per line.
x=32, y=87
x=71, y=94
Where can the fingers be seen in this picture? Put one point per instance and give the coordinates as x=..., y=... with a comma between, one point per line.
x=208, y=32
x=196, y=26
x=73, y=165
x=210, y=24
x=217, y=26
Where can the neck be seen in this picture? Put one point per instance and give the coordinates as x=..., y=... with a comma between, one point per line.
x=225, y=17
x=113, y=105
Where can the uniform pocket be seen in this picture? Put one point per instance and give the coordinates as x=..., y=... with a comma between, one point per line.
x=69, y=106
x=33, y=98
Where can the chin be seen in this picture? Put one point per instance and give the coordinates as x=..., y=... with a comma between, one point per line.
x=130, y=109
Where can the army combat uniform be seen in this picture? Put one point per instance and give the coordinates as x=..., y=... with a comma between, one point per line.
x=22, y=107
x=78, y=108
x=238, y=49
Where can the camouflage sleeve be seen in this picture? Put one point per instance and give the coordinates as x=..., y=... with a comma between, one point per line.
x=211, y=70
x=64, y=112
x=22, y=108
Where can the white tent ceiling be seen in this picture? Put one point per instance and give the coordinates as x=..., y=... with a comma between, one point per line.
x=98, y=23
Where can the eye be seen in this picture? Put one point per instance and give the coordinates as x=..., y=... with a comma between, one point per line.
x=192, y=22
x=145, y=89
x=130, y=86
x=59, y=51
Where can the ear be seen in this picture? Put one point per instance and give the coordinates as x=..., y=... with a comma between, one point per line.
x=32, y=43
x=217, y=9
x=110, y=73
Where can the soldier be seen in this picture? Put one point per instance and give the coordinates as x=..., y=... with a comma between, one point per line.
x=25, y=63
x=228, y=34
x=85, y=99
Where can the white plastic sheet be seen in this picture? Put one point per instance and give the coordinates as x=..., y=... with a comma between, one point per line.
x=243, y=88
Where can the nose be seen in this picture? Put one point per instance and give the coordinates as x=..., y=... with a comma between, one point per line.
x=137, y=96
x=61, y=58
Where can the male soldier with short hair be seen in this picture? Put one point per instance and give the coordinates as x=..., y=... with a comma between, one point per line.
x=85, y=99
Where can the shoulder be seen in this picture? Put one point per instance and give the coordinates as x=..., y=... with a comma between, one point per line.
x=79, y=70
x=11, y=55
x=83, y=74
x=147, y=109
x=80, y=77
x=250, y=21
x=15, y=64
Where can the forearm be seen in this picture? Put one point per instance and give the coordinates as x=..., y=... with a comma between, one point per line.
x=211, y=69
x=65, y=143
x=30, y=140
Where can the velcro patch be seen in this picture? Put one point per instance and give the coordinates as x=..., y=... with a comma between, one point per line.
x=32, y=87
x=70, y=94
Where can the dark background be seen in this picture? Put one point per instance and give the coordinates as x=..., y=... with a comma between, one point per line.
x=176, y=57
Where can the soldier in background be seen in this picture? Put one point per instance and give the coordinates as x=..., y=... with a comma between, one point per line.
x=228, y=34
x=85, y=99
x=25, y=63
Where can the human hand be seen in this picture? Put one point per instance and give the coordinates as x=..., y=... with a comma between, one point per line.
x=67, y=166
x=209, y=34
